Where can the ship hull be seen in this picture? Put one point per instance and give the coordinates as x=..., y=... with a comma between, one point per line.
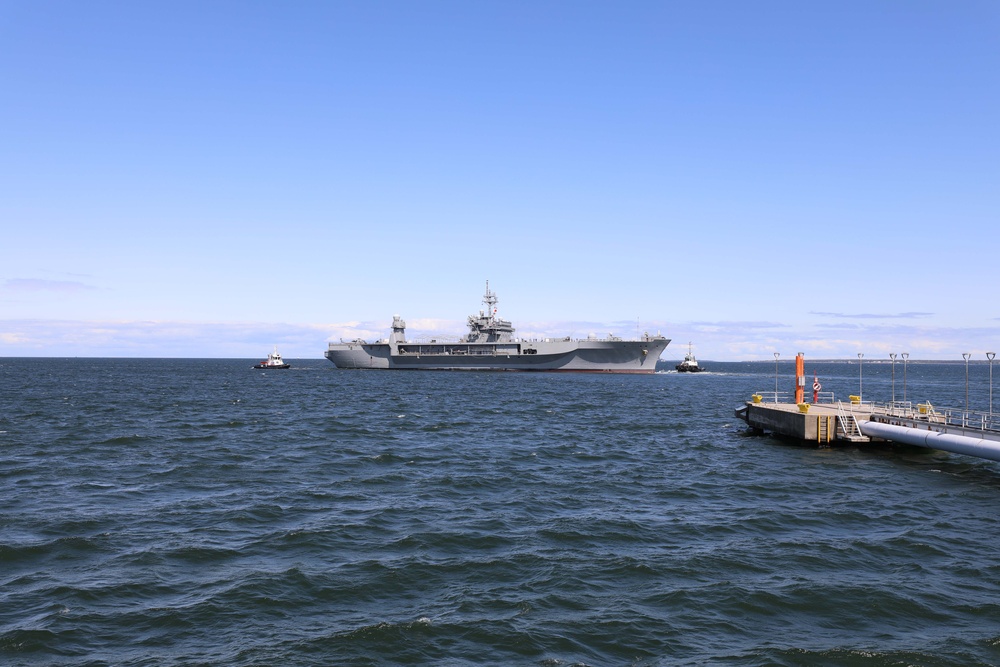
x=576, y=356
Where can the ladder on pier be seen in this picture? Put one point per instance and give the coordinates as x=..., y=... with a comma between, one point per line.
x=823, y=430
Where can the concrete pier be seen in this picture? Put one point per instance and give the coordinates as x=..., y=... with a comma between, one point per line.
x=961, y=432
x=818, y=422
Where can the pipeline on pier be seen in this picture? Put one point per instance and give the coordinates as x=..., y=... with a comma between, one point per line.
x=949, y=442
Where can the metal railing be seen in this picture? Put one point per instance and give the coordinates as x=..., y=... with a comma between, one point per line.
x=788, y=397
x=928, y=414
x=773, y=397
x=848, y=423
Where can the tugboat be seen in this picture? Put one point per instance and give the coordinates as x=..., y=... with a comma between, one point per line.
x=273, y=361
x=690, y=364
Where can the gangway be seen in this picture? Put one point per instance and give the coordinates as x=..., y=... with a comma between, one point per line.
x=849, y=426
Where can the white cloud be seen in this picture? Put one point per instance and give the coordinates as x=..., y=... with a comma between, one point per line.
x=60, y=338
x=874, y=316
x=42, y=285
x=13, y=338
x=722, y=341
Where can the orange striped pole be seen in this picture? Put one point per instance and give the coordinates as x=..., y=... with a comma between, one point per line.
x=800, y=377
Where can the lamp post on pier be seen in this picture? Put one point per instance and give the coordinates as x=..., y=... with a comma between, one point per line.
x=892, y=355
x=905, y=355
x=776, y=355
x=990, y=355
x=861, y=355
x=966, y=355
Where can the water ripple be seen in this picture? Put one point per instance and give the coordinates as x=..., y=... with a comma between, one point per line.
x=189, y=513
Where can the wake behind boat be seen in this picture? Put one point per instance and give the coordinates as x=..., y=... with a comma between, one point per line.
x=490, y=346
x=273, y=361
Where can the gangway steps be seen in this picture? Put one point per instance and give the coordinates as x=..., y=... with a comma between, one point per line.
x=848, y=428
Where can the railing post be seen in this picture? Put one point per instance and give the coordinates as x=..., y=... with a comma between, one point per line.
x=990, y=356
x=966, y=355
x=861, y=395
x=905, y=355
x=776, y=355
x=892, y=355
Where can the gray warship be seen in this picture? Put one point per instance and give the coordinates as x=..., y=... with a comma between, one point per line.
x=490, y=346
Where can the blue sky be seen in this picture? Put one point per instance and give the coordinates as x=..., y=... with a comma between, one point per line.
x=211, y=179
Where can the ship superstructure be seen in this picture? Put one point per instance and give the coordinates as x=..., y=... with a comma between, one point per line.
x=491, y=345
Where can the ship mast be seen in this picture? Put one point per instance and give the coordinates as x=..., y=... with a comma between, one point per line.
x=490, y=299
x=487, y=327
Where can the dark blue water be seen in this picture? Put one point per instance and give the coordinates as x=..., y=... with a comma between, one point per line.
x=164, y=512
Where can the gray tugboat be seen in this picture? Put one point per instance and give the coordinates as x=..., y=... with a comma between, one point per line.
x=690, y=364
x=490, y=346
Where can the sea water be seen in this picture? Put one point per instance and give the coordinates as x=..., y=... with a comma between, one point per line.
x=199, y=512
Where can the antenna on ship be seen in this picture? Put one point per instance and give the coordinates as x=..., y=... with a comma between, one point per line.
x=490, y=299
